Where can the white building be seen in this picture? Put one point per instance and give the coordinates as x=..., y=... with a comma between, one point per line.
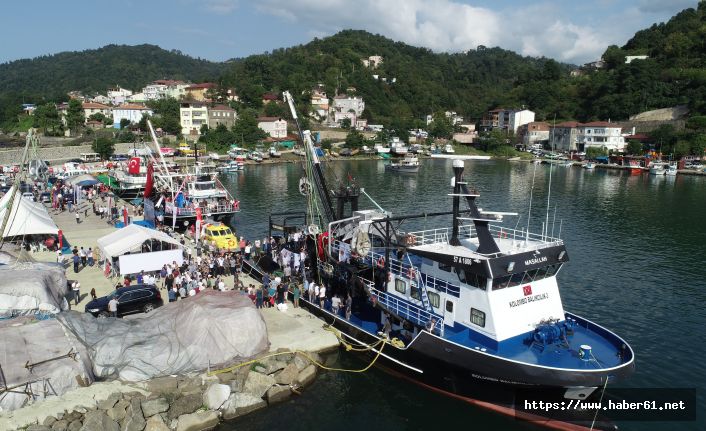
x=630, y=58
x=137, y=98
x=130, y=112
x=154, y=91
x=520, y=118
x=319, y=103
x=274, y=126
x=372, y=62
x=347, y=107
x=104, y=100
x=600, y=134
x=118, y=95
x=90, y=108
x=192, y=116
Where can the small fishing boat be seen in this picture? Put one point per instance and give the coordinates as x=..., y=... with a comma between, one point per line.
x=589, y=165
x=230, y=167
x=409, y=164
x=657, y=168
x=671, y=170
x=449, y=149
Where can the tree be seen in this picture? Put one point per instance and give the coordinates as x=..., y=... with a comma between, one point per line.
x=74, y=115
x=345, y=123
x=441, y=126
x=245, y=129
x=124, y=122
x=166, y=115
x=593, y=152
x=104, y=147
x=274, y=109
x=46, y=117
x=354, y=139
x=634, y=147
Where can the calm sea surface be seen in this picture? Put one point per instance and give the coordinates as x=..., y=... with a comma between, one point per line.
x=637, y=246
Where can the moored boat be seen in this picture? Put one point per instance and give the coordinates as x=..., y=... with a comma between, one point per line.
x=408, y=164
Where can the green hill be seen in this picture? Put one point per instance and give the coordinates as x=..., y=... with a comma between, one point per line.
x=96, y=69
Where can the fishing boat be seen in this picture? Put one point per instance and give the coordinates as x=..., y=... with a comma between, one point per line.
x=449, y=149
x=634, y=165
x=589, y=165
x=274, y=152
x=230, y=167
x=671, y=170
x=129, y=178
x=408, y=164
x=470, y=309
x=657, y=168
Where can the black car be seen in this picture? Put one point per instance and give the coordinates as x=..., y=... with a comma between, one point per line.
x=45, y=197
x=132, y=299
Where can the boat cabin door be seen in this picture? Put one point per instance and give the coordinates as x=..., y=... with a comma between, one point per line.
x=449, y=312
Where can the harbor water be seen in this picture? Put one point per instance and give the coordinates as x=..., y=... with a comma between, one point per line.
x=637, y=245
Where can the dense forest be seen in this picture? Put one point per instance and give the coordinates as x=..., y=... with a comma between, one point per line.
x=424, y=82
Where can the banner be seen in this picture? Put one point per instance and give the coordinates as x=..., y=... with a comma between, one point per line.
x=125, y=216
x=197, y=231
x=149, y=210
x=150, y=180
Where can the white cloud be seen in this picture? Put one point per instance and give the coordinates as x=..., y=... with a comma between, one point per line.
x=574, y=33
x=221, y=6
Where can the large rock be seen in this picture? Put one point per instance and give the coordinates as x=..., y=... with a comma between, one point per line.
x=97, y=420
x=162, y=385
x=198, y=421
x=238, y=382
x=257, y=384
x=37, y=427
x=117, y=412
x=154, y=406
x=278, y=394
x=288, y=375
x=239, y=404
x=306, y=376
x=60, y=425
x=134, y=420
x=49, y=421
x=184, y=405
x=301, y=361
x=75, y=425
x=216, y=395
x=156, y=423
x=109, y=402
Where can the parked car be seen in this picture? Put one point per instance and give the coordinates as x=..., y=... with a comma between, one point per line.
x=133, y=299
x=45, y=197
x=119, y=157
x=29, y=196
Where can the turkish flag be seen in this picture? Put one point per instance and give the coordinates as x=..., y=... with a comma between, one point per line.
x=527, y=290
x=133, y=166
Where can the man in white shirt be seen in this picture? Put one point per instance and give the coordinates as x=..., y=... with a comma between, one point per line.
x=313, y=292
x=113, y=307
x=322, y=295
x=221, y=285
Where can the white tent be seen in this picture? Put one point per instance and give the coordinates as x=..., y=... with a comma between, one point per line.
x=130, y=239
x=79, y=178
x=26, y=217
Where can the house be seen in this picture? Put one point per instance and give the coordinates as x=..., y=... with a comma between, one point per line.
x=319, y=103
x=506, y=119
x=137, y=98
x=90, y=108
x=118, y=95
x=269, y=97
x=192, y=115
x=130, y=111
x=564, y=136
x=154, y=91
x=173, y=88
x=197, y=92
x=361, y=124
x=232, y=95
x=28, y=108
x=347, y=107
x=221, y=114
x=600, y=134
x=536, y=132
x=274, y=126
x=573, y=136
x=105, y=100
x=372, y=62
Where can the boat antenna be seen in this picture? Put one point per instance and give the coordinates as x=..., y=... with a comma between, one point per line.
x=529, y=211
x=553, y=221
x=549, y=192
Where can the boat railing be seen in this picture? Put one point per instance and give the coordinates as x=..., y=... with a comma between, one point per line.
x=442, y=235
x=191, y=211
x=400, y=269
x=406, y=310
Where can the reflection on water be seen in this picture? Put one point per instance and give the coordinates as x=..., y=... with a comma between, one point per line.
x=637, y=245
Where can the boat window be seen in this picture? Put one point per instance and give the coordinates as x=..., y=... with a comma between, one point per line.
x=414, y=291
x=478, y=317
x=400, y=286
x=434, y=299
x=531, y=275
x=515, y=279
x=444, y=267
x=450, y=306
x=215, y=233
x=227, y=232
x=500, y=282
x=553, y=269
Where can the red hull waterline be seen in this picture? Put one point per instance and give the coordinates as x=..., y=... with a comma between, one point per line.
x=507, y=411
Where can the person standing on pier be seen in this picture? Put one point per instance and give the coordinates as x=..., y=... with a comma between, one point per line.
x=78, y=217
x=76, y=261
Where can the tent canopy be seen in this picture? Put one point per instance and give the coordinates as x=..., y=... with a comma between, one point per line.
x=131, y=238
x=26, y=217
x=82, y=180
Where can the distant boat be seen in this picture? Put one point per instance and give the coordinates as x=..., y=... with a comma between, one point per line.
x=567, y=164
x=657, y=168
x=449, y=149
x=382, y=150
x=232, y=166
x=398, y=148
x=671, y=170
x=409, y=164
x=589, y=165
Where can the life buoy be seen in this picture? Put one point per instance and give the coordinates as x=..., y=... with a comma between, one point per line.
x=231, y=243
x=381, y=262
x=236, y=205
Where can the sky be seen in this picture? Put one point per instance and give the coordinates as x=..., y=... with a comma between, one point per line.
x=572, y=31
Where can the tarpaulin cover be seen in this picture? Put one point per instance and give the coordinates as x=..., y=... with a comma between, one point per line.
x=211, y=328
x=26, y=340
x=27, y=288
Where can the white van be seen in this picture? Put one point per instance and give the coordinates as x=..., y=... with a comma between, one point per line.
x=90, y=157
